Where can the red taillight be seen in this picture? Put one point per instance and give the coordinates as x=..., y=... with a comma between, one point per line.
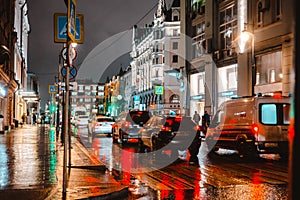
x=277, y=96
x=197, y=128
x=178, y=119
x=255, y=128
x=165, y=128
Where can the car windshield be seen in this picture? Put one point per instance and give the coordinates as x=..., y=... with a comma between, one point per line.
x=105, y=120
x=138, y=116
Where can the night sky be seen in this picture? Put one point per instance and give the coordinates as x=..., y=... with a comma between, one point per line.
x=102, y=20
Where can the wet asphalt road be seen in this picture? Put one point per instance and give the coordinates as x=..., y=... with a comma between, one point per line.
x=222, y=176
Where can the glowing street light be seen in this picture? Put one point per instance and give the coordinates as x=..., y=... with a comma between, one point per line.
x=244, y=39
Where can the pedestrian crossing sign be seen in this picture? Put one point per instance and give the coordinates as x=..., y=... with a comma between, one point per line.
x=52, y=89
x=159, y=90
x=61, y=28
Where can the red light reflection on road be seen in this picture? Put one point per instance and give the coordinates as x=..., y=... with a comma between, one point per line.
x=197, y=185
x=257, y=188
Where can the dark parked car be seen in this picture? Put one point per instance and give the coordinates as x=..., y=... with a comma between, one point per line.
x=171, y=132
x=128, y=124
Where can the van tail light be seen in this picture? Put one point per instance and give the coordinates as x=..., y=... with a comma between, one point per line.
x=277, y=96
x=165, y=128
x=255, y=129
x=197, y=128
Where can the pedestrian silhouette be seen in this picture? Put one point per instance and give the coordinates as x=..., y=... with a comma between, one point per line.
x=196, y=118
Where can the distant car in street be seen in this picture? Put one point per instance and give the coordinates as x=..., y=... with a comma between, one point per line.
x=82, y=120
x=128, y=124
x=101, y=125
x=176, y=132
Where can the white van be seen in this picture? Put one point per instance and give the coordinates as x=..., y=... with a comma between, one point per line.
x=251, y=125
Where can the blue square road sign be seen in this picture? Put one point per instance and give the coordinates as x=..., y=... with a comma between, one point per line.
x=61, y=28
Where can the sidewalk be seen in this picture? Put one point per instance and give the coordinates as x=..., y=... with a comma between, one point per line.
x=88, y=177
x=37, y=173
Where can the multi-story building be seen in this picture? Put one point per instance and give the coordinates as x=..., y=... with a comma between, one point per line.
x=239, y=48
x=155, y=50
x=87, y=94
x=14, y=30
x=22, y=29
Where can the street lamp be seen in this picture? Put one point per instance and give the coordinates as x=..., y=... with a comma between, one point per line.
x=246, y=37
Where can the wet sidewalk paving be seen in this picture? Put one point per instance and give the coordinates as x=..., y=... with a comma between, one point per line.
x=31, y=167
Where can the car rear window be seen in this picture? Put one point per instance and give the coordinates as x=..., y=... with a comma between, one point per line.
x=83, y=116
x=138, y=116
x=105, y=120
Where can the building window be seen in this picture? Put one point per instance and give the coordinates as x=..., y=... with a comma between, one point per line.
x=269, y=68
x=257, y=78
x=232, y=79
x=259, y=15
x=174, y=98
x=175, y=45
x=87, y=87
x=175, y=18
x=175, y=32
x=175, y=59
x=272, y=76
x=278, y=9
x=198, y=48
x=201, y=84
x=228, y=27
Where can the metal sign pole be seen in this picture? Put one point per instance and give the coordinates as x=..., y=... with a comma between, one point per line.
x=71, y=26
x=66, y=126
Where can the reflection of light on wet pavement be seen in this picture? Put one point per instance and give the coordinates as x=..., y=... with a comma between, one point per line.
x=23, y=157
x=3, y=166
x=223, y=176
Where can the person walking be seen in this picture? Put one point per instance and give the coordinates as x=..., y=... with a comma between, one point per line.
x=196, y=118
x=205, y=121
x=33, y=118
